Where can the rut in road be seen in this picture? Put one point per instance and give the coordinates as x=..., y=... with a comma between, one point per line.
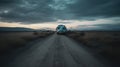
x=56, y=51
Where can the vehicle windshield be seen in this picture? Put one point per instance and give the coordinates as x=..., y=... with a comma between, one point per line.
x=61, y=29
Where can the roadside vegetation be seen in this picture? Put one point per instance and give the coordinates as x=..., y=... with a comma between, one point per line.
x=11, y=40
x=105, y=43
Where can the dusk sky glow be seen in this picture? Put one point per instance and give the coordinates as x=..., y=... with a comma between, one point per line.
x=38, y=14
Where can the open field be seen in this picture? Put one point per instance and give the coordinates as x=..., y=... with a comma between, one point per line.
x=53, y=51
x=105, y=43
x=10, y=40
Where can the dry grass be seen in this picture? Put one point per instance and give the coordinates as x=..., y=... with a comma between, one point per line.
x=19, y=39
x=105, y=43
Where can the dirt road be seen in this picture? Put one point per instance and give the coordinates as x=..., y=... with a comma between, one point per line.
x=55, y=51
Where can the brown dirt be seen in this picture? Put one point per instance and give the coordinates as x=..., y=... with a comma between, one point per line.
x=19, y=39
x=105, y=43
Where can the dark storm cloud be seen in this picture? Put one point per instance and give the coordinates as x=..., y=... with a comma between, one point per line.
x=29, y=11
x=95, y=8
x=4, y=2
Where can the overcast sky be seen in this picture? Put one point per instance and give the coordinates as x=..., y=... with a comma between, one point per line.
x=77, y=12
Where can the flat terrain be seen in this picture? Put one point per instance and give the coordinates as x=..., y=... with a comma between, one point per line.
x=11, y=40
x=54, y=51
x=104, y=43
